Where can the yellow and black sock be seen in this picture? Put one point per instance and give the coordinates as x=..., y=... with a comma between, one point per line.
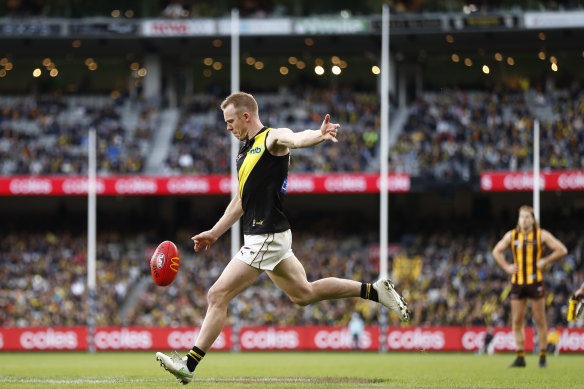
x=520, y=354
x=194, y=357
x=542, y=355
x=368, y=292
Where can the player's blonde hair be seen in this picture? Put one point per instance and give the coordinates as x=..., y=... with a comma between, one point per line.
x=242, y=102
x=529, y=209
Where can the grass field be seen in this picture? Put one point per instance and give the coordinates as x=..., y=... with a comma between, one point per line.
x=289, y=370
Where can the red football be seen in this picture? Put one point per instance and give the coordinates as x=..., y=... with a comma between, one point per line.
x=164, y=263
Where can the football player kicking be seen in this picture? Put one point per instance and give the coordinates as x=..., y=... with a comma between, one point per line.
x=262, y=165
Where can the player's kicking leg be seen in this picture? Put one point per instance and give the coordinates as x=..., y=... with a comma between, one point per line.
x=234, y=279
x=290, y=276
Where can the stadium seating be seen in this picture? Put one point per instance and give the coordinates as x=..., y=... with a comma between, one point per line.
x=453, y=135
x=42, y=281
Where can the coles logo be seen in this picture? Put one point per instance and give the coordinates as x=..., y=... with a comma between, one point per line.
x=571, y=181
x=416, y=339
x=31, y=186
x=225, y=185
x=345, y=183
x=300, y=184
x=123, y=339
x=48, y=339
x=269, y=338
x=522, y=181
x=186, y=339
x=396, y=183
x=503, y=340
x=188, y=185
x=74, y=186
x=136, y=186
x=340, y=339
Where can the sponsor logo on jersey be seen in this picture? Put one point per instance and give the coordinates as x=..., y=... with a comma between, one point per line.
x=255, y=150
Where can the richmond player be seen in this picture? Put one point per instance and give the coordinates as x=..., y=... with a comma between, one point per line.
x=527, y=242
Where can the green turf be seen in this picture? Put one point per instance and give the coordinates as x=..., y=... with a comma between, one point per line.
x=289, y=370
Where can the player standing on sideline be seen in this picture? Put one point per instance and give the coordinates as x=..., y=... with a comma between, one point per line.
x=526, y=242
x=262, y=165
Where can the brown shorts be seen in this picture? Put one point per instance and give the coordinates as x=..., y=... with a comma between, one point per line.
x=531, y=291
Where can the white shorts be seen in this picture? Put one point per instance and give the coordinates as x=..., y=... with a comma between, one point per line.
x=266, y=251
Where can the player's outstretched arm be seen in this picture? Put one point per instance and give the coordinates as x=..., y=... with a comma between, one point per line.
x=285, y=138
x=232, y=213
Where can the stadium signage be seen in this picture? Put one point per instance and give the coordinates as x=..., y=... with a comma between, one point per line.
x=103, y=29
x=123, y=339
x=170, y=28
x=192, y=185
x=484, y=22
x=331, y=26
x=553, y=19
x=523, y=181
x=443, y=338
x=276, y=26
x=416, y=339
x=31, y=29
x=184, y=339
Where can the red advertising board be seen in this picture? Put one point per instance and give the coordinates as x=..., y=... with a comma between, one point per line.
x=190, y=185
x=501, y=181
x=275, y=338
x=106, y=338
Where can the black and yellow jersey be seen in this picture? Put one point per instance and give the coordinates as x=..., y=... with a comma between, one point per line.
x=262, y=185
x=526, y=252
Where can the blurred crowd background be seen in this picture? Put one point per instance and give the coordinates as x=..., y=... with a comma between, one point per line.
x=442, y=132
x=43, y=279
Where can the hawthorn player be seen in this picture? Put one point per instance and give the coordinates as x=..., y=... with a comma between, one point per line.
x=527, y=242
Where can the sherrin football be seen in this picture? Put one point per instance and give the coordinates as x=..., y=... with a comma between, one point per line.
x=164, y=263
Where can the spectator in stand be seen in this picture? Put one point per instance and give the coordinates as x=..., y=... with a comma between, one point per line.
x=175, y=10
x=356, y=328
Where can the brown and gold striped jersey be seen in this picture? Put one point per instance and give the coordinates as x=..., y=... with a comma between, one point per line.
x=526, y=252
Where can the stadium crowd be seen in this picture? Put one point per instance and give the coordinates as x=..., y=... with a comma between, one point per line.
x=49, y=136
x=43, y=278
x=453, y=135
x=200, y=147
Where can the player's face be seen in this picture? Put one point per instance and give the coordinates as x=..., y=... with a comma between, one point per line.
x=235, y=122
x=526, y=221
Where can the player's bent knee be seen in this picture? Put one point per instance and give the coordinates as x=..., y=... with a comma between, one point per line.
x=302, y=299
x=217, y=296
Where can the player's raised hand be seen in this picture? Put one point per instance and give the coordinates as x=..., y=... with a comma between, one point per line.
x=328, y=129
x=204, y=239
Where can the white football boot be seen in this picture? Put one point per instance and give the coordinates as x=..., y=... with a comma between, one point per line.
x=391, y=299
x=176, y=366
